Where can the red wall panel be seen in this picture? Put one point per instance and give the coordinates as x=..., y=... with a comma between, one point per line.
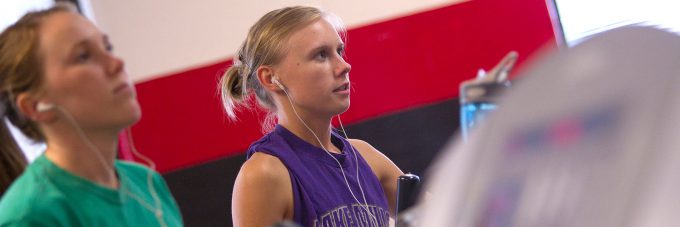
x=397, y=64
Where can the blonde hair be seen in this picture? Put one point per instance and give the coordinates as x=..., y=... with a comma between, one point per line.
x=21, y=70
x=265, y=45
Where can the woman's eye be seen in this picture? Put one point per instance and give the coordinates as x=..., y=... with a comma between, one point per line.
x=83, y=56
x=109, y=48
x=322, y=55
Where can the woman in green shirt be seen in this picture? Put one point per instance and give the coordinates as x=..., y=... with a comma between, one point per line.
x=60, y=83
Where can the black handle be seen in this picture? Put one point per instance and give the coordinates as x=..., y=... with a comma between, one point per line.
x=407, y=191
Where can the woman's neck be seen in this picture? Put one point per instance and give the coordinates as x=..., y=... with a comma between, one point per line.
x=91, y=157
x=320, y=126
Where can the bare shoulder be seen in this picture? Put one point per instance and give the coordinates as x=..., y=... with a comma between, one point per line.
x=380, y=163
x=366, y=149
x=262, y=192
x=386, y=171
x=264, y=168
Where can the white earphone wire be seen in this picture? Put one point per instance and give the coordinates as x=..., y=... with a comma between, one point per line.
x=152, y=166
x=365, y=204
x=356, y=159
x=158, y=213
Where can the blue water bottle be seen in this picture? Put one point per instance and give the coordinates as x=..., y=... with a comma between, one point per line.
x=478, y=96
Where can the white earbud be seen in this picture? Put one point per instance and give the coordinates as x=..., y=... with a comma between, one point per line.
x=276, y=81
x=42, y=107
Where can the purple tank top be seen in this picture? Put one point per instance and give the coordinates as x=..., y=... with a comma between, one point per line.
x=320, y=195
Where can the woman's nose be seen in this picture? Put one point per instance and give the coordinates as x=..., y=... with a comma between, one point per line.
x=115, y=65
x=343, y=67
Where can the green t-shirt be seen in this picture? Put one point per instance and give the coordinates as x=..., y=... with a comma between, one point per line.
x=47, y=195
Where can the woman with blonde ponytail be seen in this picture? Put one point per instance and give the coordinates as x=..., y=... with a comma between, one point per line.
x=292, y=62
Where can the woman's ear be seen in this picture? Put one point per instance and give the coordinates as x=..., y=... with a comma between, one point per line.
x=265, y=74
x=33, y=109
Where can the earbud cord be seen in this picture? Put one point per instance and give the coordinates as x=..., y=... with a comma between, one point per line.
x=356, y=160
x=157, y=211
x=365, y=205
x=152, y=166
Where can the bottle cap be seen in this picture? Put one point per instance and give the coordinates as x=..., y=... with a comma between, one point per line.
x=486, y=86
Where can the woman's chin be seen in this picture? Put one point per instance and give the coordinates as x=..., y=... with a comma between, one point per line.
x=131, y=116
x=342, y=109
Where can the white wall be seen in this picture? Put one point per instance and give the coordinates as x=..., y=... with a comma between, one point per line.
x=583, y=18
x=158, y=37
x=12, y=10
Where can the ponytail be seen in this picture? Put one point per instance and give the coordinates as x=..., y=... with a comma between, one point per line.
x=235, y=87
x=12, y=160
x=238, y=82
x=232, y=89
x=20, y=71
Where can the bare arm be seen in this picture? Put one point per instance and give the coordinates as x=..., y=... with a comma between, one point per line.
x=262, y=192
x=386, y=171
